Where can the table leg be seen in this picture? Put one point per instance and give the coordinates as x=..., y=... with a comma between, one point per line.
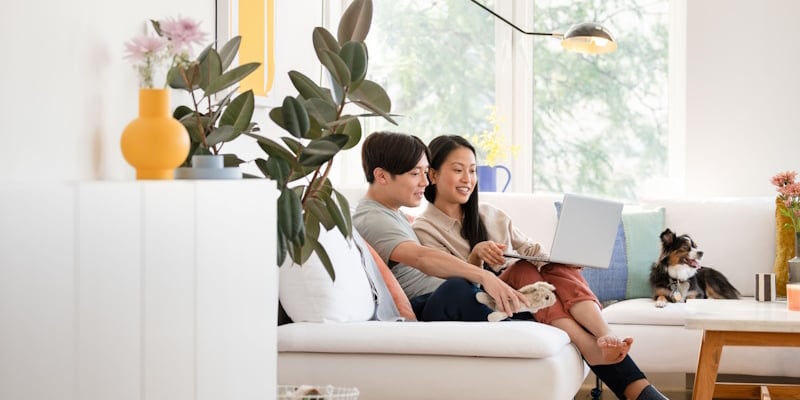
x=707, y=366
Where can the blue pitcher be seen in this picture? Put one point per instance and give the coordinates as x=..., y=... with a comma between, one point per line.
x=487, y=178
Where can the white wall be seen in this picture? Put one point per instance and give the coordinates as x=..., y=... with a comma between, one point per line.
x=68, y=93
x=741, y=95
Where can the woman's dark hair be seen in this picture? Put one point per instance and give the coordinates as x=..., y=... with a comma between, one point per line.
x=397, y=153
x=472, y=227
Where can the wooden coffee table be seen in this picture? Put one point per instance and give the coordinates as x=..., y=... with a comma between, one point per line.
x=743, y=322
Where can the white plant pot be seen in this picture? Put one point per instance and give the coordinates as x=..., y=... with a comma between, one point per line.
x=208, y=167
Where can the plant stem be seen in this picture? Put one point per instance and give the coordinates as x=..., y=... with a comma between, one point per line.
x=315, y=183
x=200, y=127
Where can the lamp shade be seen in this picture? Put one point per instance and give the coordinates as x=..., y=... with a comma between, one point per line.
x=589, y=38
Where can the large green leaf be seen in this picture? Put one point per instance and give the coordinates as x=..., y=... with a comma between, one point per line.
x=318, y=208
x=352, y=129
x=354, y=55
x=204, y=53
x=307, y=88
x=322, y=111
x=323, y=40
x=372, y=93
x=239, y=112
x=325, y=259
x=294, y=117
x=195, y=124
x=345, y=207
x=321, y=150
x=272, y=148
x=283, y=247
x=355, y=22
x=290, y=216
x=335, y=214
x=231, y=160
x=231, y=77
x=184, y=78
x=276, y=115
x=275, y=168
x=376, y=110
x=210, y=69
x=336, y=67
x=181, y=111
x=294, y=145
x=312, y=236
x=315, y=130
x=221, y=134
x=228, y=52
x=337, y=91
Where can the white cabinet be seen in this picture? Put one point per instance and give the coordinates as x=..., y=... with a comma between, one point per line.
x=138, y=290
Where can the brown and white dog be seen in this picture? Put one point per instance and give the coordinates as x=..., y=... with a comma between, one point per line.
x=678, y=276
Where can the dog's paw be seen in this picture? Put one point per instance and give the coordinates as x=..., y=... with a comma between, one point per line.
x=661, y=303
x=497, y=316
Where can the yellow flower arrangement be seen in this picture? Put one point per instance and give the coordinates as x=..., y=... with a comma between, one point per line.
x=492, y=145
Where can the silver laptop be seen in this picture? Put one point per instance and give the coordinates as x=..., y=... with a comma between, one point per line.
x=585, y=232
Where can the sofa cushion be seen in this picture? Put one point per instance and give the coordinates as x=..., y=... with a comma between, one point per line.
x=636, y=247
x=644, y=312
x=399, y=297
x=307, y=292
x=514, y=339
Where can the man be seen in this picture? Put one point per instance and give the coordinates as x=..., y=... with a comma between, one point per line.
x=439, y=285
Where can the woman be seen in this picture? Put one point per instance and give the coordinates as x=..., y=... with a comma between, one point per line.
x=454, y=222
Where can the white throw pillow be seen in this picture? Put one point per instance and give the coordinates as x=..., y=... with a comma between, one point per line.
x=307, y=293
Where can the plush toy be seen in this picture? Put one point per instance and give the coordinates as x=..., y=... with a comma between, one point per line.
x=539, y=294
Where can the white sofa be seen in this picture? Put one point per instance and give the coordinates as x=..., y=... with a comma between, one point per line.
x=417, y=360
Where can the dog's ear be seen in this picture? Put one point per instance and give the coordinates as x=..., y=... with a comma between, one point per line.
x=667, y=237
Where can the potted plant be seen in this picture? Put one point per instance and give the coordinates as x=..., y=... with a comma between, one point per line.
x=216, y=116
x=320, y=124
x=492, y=147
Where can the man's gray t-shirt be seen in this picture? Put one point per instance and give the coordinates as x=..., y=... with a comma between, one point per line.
x=384, y=229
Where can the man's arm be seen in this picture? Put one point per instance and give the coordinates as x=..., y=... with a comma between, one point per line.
x=438, y=263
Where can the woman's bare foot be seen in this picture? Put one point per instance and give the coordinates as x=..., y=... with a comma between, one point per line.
x=613, y=349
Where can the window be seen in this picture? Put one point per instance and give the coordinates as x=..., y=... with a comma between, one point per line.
x=600, y=122
x=586, y=124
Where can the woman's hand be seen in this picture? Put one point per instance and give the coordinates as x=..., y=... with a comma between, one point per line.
x=506, y=298
x=489, y=252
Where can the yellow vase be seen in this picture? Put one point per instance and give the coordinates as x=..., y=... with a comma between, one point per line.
x=154, y=143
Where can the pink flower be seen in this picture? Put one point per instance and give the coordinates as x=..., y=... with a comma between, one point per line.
x=789, y=195
x=792, y=190
x=140, y=48
x=182, y=33
x=784, y=178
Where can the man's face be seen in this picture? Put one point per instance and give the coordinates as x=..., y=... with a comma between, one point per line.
x=408, y=189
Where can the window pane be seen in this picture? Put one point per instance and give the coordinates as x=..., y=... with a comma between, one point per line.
x=600, y=122
x=436, y=61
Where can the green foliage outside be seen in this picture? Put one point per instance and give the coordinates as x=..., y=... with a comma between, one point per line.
x=600, y=122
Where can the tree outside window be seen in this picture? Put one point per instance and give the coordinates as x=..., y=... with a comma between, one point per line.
x=600, y=122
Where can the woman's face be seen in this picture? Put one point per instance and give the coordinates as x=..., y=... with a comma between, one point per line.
x=456, y=178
